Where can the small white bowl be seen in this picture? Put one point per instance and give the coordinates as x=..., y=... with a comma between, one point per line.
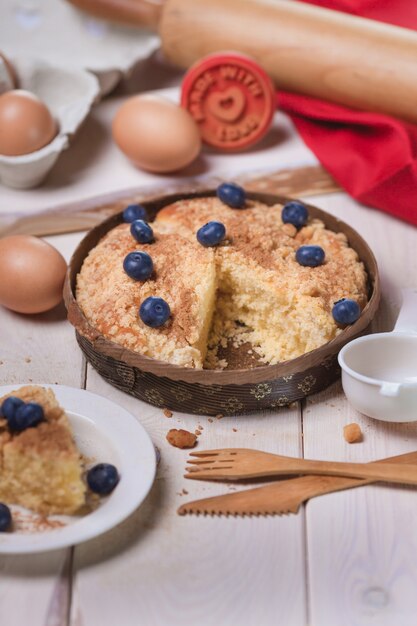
x=69, y=94
x=379, y=372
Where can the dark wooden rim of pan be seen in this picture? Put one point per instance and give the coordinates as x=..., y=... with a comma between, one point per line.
x=220, y=377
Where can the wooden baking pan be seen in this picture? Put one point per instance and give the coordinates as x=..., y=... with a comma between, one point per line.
x=246, y=388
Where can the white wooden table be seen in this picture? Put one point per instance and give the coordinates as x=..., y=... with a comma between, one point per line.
x=347, y=559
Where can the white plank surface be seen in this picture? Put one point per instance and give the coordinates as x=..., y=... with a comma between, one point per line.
x=38, y=349
x=158, y=568
x=362, y=548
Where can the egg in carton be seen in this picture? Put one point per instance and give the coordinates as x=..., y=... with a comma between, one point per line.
x=69, y=95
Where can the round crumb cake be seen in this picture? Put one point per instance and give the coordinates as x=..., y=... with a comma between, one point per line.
x=249, y=290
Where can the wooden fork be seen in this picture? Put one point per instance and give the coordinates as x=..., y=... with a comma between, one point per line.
x=238, y=463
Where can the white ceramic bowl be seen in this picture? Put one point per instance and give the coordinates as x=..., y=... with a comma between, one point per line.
x=379, y=375
x=379, y=372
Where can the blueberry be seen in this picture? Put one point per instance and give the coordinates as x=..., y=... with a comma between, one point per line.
x=141, y=231
x=346, y=311
x=154, y=312
x=231, y=194
x=102, y=478
x=10, y=406
x=134, y=212
x=5, y=518
x=295, y=213
x=138, y=265
x=211, y=234
x=26, y=416
x=311, y=256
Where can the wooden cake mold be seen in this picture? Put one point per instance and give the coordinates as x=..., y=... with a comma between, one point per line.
x=211, y=392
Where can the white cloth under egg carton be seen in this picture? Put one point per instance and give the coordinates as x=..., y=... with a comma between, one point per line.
x=69, y=94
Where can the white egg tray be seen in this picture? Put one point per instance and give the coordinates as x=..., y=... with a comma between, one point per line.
x=69, y=94
x=53, y=29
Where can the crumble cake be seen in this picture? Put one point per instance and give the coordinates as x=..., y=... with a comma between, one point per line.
x=40, y=467
x=249, y=289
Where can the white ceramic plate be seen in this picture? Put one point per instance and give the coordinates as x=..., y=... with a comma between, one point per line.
x=104, y=432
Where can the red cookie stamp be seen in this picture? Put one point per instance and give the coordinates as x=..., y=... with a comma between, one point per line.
x=231, y=98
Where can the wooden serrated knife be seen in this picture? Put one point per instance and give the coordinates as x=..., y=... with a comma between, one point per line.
x=282, y=497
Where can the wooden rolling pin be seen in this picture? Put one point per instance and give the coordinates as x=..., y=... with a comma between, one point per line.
x=305, y=49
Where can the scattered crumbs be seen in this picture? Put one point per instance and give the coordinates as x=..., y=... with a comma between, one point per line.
x=34, y=523
x=253, y=434
x=180, y=438
x=31, y=380
x=219, y=416
x=167, y=413
x=1, y=362
x=352, y=433
x=200, y=427
x=28, y=359
x=210, y=419
x=184, y=492
x=234, y=430
x=197, y=432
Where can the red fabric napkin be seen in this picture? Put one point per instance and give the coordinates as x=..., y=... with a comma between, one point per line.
x=372, y=156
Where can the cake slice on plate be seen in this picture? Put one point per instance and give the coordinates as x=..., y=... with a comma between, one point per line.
x=41, y=467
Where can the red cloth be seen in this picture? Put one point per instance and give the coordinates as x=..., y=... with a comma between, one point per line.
x=372, y=156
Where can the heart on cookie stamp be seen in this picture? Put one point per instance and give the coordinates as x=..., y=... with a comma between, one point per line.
x=227, y=105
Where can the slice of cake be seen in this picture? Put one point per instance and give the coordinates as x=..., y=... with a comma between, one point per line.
x=184, y=276
x=40, y=467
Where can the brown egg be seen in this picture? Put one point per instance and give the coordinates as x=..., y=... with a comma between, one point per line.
x=26, y=125
x=31, y=274
x=156, y=134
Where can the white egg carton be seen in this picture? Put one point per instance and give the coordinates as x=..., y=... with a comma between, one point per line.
x=69, y=94
x=53, y=29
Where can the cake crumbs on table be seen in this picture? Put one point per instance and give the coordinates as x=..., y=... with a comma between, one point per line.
x=352, y=433
x=180, y=438
x=28, y=359
x=219, y=416
x=197, y=432
x=168, y=413
x=210, y=419
x=234, y=430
